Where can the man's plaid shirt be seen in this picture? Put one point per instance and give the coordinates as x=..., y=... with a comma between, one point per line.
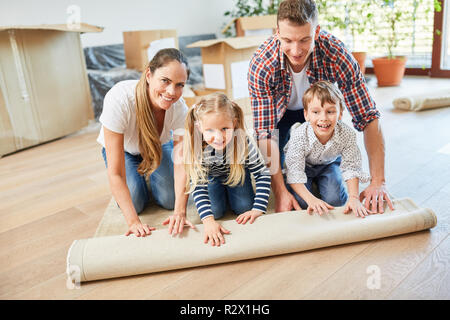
x=270, y=82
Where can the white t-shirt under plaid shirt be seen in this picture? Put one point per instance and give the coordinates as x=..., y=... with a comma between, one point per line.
x=304, y=149
x=217, y=166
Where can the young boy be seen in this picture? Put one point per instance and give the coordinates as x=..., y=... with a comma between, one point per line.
x=313, y=149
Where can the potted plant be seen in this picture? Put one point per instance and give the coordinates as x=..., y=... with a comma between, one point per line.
x=354, y=17
x=389, y=70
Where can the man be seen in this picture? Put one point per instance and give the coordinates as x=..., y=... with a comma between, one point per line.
x=281, y=70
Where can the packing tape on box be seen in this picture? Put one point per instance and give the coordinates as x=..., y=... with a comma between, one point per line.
x=19, y=67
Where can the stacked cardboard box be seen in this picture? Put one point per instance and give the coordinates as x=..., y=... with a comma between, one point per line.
x=140, y=46
x=225, y=66
x=226, y=61
x=257, y=25
x=44, y=89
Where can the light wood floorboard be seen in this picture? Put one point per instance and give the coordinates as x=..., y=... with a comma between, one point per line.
x=57, y=192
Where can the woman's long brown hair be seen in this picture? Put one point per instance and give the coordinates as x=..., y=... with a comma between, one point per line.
x=149, y=142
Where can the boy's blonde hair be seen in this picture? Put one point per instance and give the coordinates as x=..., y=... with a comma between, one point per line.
x=193, y=144
x=325, y=91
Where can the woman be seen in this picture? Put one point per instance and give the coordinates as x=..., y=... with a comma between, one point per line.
x=141, y=123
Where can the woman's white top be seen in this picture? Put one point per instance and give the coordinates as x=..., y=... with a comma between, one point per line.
x=119, y=115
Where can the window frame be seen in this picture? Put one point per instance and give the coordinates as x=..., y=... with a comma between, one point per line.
x=436, y=54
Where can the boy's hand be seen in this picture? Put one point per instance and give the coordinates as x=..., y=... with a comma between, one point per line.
x=353, y=204
x=252, y=215
x=213, y=232
x=319, y=206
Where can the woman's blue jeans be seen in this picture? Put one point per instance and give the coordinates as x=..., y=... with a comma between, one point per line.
x=239, y=198
x=161, y=180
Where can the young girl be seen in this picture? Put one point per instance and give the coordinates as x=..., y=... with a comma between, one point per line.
x=324, y=150
x=219, y=158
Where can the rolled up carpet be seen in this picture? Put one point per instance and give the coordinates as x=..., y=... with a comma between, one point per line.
x=271, y=234
x=425, y=101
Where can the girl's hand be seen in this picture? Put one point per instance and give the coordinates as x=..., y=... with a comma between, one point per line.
x=353, y=204
x=139, y=229
x=213, y=232
x=252, y=215
x=319, y=206
x=176, y=223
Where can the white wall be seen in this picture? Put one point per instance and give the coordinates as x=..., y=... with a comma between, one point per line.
x=188, y=17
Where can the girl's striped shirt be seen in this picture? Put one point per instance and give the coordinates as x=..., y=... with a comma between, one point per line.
x=215, y=162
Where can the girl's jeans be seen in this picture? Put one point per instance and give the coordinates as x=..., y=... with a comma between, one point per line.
x=239, y=198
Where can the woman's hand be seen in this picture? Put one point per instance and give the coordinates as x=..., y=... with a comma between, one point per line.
x=176, y=223
x=139, y=229
x=213, y=232
x=319, y=206
x=252, y=215
x=353, y=204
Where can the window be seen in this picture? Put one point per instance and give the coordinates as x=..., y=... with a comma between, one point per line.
x=415, y=27
x=441, y=44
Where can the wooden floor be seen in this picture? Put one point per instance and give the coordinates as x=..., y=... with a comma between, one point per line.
x=55, y=193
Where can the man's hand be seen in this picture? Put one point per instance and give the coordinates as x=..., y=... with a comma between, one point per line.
x=285, y=201
x=376, y=193
x=374, y=196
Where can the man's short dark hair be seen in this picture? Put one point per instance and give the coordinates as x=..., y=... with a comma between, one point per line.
x=299, y=12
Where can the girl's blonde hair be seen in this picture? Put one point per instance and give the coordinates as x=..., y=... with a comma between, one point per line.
x=149, y=142
x=193, y=144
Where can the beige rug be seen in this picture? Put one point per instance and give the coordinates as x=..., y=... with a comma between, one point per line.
x=429, y=100
x=272, y=234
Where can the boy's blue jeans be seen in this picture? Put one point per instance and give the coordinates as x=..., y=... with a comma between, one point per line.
x=239, y=198
x=329, y=183
x=161, y=180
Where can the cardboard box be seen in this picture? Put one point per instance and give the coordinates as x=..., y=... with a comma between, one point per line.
x=193, y=96
x=44, y=89
x=255, y=25
x=140, y=46
x=188, y=95
x=225, y=65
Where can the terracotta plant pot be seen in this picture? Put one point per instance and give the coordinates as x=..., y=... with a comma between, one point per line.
x=361, y=58
x=389, y=72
